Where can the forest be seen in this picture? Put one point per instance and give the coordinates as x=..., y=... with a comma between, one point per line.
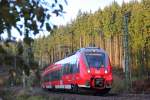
x=103, y=29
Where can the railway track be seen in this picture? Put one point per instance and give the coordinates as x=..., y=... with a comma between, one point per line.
x=67, y=95
x=89, y=96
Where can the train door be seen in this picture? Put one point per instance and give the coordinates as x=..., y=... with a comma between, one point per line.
x=61, y=78
x=76, y=67
x=65, y=77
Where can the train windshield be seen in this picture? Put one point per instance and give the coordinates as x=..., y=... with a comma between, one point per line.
x=96, y=60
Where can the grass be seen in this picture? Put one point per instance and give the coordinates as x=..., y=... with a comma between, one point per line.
x=37, y=97
x=25, y=95
x=118, y=85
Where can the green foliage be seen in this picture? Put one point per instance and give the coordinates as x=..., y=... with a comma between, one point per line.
x=27, y=95
x=118, y=85
x=7, y=95
x=30, y=16
x=19, y=48
x=36, y=98
x=22, y=97
x=104, y=28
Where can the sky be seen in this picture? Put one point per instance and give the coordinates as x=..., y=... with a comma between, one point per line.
x=72, y=10
x=85, y=6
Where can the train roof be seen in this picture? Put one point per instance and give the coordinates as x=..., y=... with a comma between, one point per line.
x=82, y=50
x=89, y=49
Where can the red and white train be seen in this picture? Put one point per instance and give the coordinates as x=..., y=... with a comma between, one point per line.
x=87, y=68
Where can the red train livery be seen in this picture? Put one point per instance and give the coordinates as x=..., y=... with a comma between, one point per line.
x=87, y=68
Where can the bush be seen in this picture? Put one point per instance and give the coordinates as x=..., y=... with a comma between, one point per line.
x=118, y=85
x=22, y=97
x=6, y=95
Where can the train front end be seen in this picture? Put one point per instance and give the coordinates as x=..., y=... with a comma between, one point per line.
x=96, y=69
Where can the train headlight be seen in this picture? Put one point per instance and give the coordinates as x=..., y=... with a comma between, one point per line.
x=89, y=71
x=106, y=71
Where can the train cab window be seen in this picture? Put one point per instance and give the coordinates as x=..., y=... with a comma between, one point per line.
x=95, y=59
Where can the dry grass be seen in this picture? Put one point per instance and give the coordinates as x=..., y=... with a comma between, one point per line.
x=118, y=85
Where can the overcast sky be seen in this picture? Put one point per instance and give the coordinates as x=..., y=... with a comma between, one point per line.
x=85, y=6
x=72, y=10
